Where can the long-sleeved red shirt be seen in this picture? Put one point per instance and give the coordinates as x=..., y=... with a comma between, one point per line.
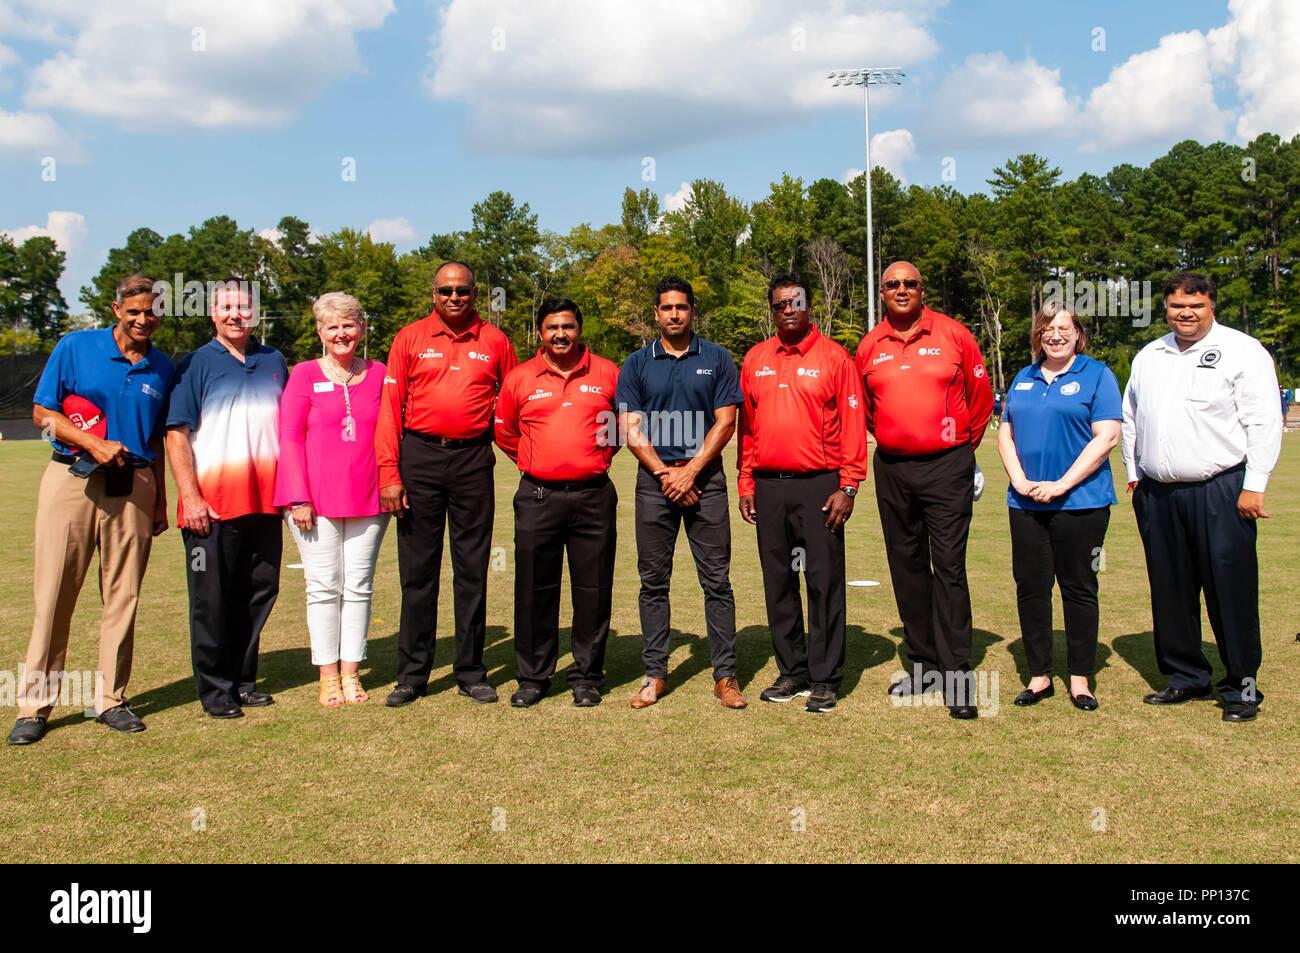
x=927, y=393
x=556, y=427
x=440, y=384
x=803, y=411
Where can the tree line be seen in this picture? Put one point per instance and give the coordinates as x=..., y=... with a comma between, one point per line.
x=987, y=259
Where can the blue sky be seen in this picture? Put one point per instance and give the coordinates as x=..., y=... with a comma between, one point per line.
x=164, y=114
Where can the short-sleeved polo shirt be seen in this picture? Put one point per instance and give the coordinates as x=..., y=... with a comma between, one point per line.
x=133, y=397
x=677, y=396
x=1052, y=423
x=232, y=409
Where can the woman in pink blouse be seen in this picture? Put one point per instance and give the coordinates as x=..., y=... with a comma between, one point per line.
x=328, y=484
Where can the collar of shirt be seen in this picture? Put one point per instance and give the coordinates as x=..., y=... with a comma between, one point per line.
x=437, y=327
x=108, y=346
x=804, y=346
x=657, y=349
x=924, y=324
x=582, y=367
x=250, y=352
x=1077, y=365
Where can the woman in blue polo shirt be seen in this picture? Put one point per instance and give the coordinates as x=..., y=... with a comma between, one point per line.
x=1063, y=418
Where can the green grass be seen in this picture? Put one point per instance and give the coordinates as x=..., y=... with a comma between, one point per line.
x=685, y=780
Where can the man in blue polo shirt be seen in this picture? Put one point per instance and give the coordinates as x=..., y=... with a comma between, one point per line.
x=677, y=400
x=116, y=509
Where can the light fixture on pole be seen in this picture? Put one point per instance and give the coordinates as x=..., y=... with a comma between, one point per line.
x=866, y=78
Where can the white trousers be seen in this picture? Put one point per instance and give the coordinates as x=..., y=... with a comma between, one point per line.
x=338, y=559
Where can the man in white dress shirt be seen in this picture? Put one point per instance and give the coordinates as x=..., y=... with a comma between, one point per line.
x=1201, y=436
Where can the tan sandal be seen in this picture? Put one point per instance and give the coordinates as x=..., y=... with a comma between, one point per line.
x=331, y=696
x=353, y=693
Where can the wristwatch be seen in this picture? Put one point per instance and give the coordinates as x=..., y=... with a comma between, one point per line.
x=849, y=491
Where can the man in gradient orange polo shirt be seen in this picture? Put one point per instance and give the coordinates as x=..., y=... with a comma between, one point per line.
x=556, y=420
x=433, y=443
x=928, y=404
x=803, y=452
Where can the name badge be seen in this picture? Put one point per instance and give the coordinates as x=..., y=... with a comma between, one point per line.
x=322, y=387
x=1025, y=385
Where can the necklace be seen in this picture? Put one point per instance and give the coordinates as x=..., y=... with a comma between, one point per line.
x=349, y=423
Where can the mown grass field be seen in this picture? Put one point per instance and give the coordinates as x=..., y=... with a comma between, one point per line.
x=685, y=780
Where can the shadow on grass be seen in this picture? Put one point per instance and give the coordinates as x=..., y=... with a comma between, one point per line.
x=981, y=639
x=1139, y=650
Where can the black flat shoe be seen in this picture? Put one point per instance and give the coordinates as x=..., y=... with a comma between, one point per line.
x=255, y=699
x=1084, y=702
x=1031, y=697
x=1176, y=696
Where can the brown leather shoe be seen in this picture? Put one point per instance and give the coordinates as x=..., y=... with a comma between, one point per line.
x=652, y=689
x=728, y=689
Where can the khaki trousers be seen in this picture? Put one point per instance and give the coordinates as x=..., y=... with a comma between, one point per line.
x=74, y=519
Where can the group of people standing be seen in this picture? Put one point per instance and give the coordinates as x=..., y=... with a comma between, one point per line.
x=342, y=444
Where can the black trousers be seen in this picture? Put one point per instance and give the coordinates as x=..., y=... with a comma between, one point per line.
x=793, y=538
x=1062, y=546
x=581, y=518
x=925, y=510
x=233, y=575
x=708, y=530
x=446, y=487
x=1195, y=542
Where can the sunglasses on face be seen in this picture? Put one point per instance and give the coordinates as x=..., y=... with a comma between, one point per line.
x=462, y=290
x=893, y=284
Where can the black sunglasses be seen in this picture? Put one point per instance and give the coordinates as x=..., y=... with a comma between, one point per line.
x=462, y=290
x=893, y=284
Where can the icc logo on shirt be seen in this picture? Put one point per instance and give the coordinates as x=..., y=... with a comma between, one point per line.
x=590, y=389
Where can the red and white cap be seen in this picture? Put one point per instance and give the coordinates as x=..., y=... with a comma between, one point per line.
x=85, y=416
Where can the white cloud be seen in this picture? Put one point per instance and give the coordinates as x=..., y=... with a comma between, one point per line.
x=676, y=201
x=889, y=150
x=394, y=230
x=990, y=97
x=573, y=77
x=1159, y=96
x=272, y=235
x=182, y=64
x=7, y=58
x=851, y=174
x=1264, y=36
x=37, y=135
x=66, y=228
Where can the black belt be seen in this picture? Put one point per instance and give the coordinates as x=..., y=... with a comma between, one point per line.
x=451, y=442
x=568, y=485
x=791, y=474
x=69, y=459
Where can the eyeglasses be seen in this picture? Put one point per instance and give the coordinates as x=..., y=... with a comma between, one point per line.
x=462, y=290
x=893, y=284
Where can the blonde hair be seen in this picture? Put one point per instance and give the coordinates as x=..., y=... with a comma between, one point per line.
x=337, y=304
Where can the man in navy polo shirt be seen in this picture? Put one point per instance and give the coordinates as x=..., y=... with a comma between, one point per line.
x=223, y=443
x=677, y=400
x=116, y=510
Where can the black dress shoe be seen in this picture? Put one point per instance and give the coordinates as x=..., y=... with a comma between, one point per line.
x=255, y=699
x=527, y=696
x=403, y=695
x=910, y=685
x=1031, y=697
x=963, y=711
x=481, y=692
x=1232, y=711
x=586, y=696
x=27, y=731
x=1084, y=702
x=121, y=718
x=1176, y=696
x=225, y=711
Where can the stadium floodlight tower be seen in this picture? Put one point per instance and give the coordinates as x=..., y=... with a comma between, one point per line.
x=866, y=78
